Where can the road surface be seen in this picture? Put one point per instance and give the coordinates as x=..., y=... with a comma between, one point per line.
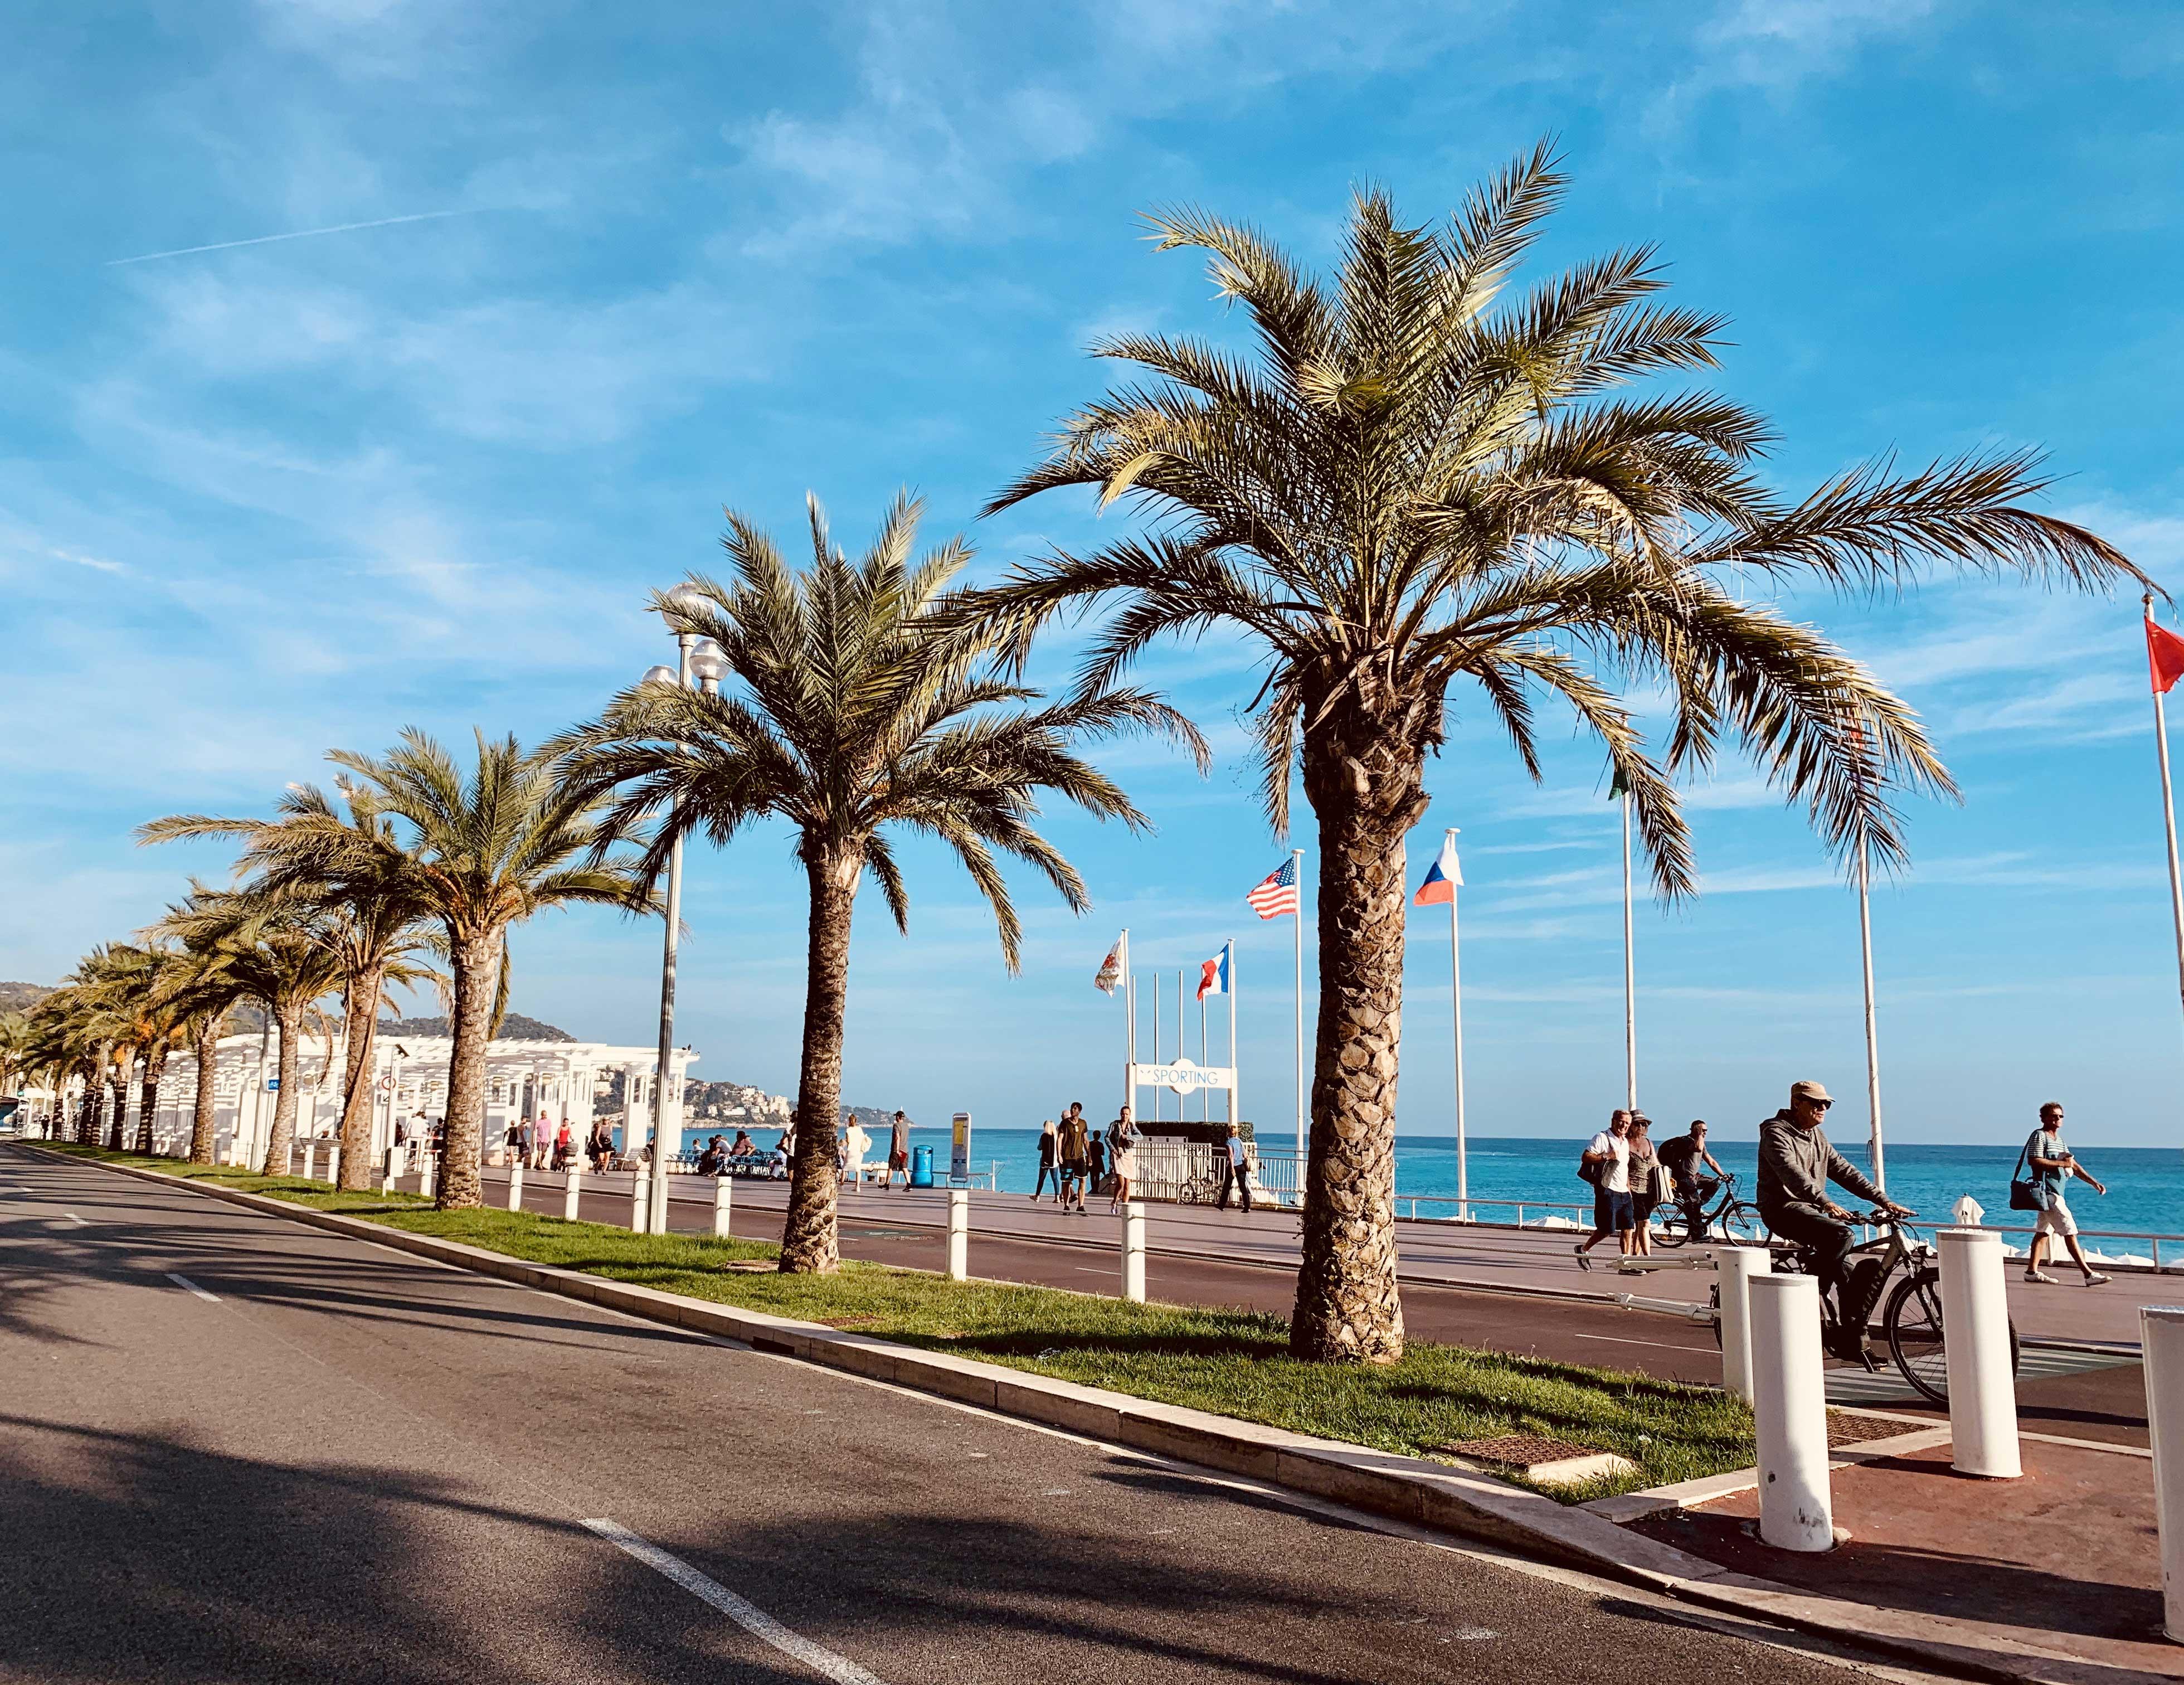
x=240, y=1448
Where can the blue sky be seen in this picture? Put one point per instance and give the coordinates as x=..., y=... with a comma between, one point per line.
x=261, y=500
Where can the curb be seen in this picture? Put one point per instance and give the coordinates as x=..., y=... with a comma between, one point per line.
x=1387, y=1483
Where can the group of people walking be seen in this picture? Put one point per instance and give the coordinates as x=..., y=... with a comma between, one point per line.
x=1075, y=1157
x=541, y=1146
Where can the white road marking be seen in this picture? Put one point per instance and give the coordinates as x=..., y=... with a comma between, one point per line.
x=75, y=1220
x=749, y=1616
x=1661, y=1345
x=189, y=1286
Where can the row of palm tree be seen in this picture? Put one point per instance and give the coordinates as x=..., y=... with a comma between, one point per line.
x=1411, y=476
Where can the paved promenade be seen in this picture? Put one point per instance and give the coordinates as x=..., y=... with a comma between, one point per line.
x=241, y=1448
x=1433, y=1254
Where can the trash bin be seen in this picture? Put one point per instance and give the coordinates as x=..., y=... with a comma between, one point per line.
x=920, y=1167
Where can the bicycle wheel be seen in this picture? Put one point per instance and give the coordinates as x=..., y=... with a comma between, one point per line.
x=1675, y=1230
x=1913, y=1326
x=1742, y=1225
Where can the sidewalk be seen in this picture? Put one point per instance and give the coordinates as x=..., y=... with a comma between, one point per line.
x=2065, y=1562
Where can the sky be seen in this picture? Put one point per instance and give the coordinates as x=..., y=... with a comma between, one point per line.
x=365, y=363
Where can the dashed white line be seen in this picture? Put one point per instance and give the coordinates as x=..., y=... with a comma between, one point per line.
x=75, y=1220
x=189, y=1286
x=752, y=1619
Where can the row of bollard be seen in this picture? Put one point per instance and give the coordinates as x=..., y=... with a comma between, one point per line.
x=1771, y=1357
x=311, y=1160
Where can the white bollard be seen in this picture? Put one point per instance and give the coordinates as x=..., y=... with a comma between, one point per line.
x=1737, y=1266
x=516, y=1186
x=959, y=1236
x=723, y=1196
x=640, y=1207
x=2161, y=1339
x=424, y=1176
x=1975, y=1346
x=1133, y=1252
x=571, y=1192
x=310, y=1161
x=1790, y=1409
x=333, y=1164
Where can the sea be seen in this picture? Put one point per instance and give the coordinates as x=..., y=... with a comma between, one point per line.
x=2145, y=1196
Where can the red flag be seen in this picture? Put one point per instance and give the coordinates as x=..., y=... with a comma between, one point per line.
x=2164, y=656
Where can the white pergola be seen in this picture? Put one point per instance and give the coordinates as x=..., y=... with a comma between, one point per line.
x=554, y=1079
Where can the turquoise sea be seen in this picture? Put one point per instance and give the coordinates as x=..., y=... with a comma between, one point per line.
x=2146, y=1185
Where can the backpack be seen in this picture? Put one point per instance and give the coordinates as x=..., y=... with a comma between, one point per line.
x=1587, y=1171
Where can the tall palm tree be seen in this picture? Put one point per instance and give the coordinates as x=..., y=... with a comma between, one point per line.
x=856, y=715
x=205, y=991
x=345, y=859
x=1415, y=477
x=278, y=954
x=490, y=847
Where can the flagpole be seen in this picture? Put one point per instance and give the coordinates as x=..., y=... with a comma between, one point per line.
x=1296, y=855
x=1872, y=1042
x=1456, y=992
x=2167, y=810
x=1629, y=976
x=1130, y=1034
x=1205, y=1099
x=1235, y=1071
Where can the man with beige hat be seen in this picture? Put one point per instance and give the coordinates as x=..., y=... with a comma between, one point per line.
x=1797, y=1163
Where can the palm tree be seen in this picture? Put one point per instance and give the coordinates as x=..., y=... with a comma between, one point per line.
x=1415, y=478
x=278, y=954
x=490, y=848
x=351, y=867
x=205, y=989
x=857, y=715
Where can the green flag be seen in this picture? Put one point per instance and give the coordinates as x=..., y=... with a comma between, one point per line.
x=1618, y=787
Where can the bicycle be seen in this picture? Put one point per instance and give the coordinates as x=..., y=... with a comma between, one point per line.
x=1911, y=1317
x=1737, y=1221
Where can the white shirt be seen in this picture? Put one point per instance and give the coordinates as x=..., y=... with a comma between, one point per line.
x=1615, y=1174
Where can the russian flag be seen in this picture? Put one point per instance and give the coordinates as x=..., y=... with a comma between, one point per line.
x=1441, y=877
x=1213, y=974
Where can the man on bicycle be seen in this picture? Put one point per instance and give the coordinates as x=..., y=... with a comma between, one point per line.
x=1683, y=1155
x=1797, y=1163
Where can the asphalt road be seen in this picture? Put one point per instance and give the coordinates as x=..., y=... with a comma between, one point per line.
x=236, y=1448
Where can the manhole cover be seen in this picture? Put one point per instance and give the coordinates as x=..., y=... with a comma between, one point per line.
x=1519, y=1450
x=1846, y=1429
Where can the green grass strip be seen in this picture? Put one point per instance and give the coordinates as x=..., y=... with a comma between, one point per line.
x=1231, y=1362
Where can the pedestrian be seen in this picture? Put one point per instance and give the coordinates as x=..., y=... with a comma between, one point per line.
x=714, y=1159
x=1096, y=1163
x=1606, y=1163
x=516, y=1147
x=857, y=1141
x=601, y=1145
x=2053, y=1165
x=1797, y=1163
x=1235, y=1171
x=1649, y=1183
x=1123, y=1158
x=1075, y=1148
x=564, y=1146
x=1047, y=1170
x=899, y=1152
x=1683, y=1155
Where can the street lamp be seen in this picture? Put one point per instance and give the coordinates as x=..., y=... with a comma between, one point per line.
x=684, y=599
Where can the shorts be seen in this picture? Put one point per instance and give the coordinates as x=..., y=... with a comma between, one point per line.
x=2056, y=1219
x=898, y=1161
x=1612, y=1213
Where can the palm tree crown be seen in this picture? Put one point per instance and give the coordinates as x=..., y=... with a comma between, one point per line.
x=1420, y=478
x=863, y=707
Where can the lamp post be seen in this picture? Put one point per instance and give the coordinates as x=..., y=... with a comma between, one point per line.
x=685, y=599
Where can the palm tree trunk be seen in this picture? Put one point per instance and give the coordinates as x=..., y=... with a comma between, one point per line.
x=116, y=1130
x=288, y=1020
x=204, y=1128
x=477, y=965
x=361, y=1014
x=1365, y=788
x=810, y=1243
x=147, y=1101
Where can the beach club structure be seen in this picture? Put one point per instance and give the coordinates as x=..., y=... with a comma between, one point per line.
x=556, y=1079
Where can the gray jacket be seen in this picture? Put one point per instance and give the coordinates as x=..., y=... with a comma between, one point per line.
x=1796, y=1165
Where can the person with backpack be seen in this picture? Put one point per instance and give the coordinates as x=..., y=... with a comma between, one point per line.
x=2053, y=1165
x=1606, y=1163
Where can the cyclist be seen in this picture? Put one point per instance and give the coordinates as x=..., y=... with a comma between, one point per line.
x=1797, y=1163
x=1683, y=1155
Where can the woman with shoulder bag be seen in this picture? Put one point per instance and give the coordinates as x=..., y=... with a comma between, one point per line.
x=1646, y=1171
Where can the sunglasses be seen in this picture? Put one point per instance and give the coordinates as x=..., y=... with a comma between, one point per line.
x=1819, y=1105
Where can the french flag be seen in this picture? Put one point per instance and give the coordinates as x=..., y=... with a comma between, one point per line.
x=1442, y=877
x=1213, y=974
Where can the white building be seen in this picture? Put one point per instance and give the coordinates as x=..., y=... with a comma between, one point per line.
x=555, y=1079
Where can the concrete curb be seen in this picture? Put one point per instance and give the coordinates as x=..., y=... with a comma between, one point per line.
x=1386, y=1483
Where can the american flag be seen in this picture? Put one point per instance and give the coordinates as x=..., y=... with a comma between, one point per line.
x=1278, y=895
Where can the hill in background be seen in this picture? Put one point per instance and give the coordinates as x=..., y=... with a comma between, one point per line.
x=20, y=997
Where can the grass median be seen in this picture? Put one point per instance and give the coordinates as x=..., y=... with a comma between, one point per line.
x=1235, y=1363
